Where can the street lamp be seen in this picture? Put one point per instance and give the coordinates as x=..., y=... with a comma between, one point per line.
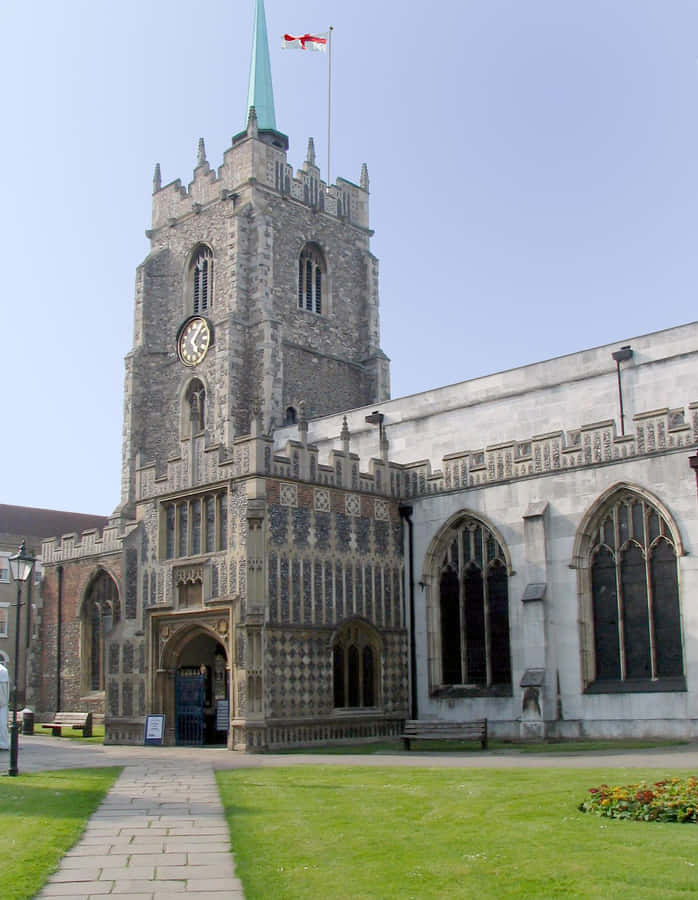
x=21, y=565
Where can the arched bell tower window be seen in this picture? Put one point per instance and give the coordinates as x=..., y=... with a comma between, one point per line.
x=468, y=612
x=312, y=279
x=290, y=417
x=356, y=666
x=630, y=610
x=100, y=613
x=201, y=278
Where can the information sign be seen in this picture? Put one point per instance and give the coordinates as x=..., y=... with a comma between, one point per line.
x=154, y=730
x=222, y=715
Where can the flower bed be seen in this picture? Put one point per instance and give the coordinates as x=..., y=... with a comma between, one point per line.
x=670, y=800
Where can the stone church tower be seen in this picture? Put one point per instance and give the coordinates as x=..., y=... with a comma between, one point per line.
x=267, y=277
x=251, y=597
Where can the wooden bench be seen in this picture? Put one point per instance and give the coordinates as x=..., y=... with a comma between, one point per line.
x=80, y=720
x=425, y=730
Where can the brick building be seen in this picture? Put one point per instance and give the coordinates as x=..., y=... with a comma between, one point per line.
x=17, y=524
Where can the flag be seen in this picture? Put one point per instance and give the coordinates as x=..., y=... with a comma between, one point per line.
x=305, y=42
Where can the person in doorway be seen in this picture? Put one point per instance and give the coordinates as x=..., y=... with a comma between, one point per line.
x=4, y=700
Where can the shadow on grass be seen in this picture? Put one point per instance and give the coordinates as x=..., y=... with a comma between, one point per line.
x=494, y=746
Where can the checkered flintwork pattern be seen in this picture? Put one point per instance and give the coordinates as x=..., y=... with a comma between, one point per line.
x=395, y=672
x=298, y=673
x=299, y=680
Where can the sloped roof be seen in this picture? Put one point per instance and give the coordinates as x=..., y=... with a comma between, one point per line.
x=27, y=521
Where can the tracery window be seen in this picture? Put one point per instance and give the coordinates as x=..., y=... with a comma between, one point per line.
x=194, y=525
x=355, y=665
x=633, y=600
x=100, y=613
x=202, y=280
x=311, y=279
x=474, y=609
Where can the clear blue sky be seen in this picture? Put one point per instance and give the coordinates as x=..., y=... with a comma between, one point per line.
x=532, y=165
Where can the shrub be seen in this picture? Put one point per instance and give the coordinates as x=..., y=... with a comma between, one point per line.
x=669, y=800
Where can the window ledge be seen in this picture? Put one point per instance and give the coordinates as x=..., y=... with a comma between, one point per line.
x=356, y=710
x=637, y=686
x=454, y=691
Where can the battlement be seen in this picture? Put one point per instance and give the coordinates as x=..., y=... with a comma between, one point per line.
x=589, y=445
x=87, y=543
x=253, y=455
x=254, y=159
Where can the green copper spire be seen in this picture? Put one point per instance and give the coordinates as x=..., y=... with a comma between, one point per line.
x=260, y=93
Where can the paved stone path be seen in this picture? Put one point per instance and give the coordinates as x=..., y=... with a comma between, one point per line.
x=159, y=831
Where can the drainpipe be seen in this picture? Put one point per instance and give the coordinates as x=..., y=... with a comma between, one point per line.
x=406, y=512
x=59, y=629
x=622, y=355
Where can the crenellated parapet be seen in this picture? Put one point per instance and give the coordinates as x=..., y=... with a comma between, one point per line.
x=254, y=455
x=89, y=543
x=258, y=157
x=589, y=445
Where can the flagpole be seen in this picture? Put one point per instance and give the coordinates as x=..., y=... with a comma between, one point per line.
x=329, y=107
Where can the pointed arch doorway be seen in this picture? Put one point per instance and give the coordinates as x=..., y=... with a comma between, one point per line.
x=200, y=689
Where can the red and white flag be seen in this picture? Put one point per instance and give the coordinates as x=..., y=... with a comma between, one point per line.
x=305, y=42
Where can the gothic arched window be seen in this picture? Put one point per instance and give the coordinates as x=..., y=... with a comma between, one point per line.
x=100, y=612
x=355, y=665
x=201, y=277
x=311, y=279
x=473, y=609
x=630, y=598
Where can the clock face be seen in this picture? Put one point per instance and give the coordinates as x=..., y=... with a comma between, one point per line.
x=194, y=341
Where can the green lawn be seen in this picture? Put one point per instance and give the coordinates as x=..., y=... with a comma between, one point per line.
x=42, y=815
x=326, y=832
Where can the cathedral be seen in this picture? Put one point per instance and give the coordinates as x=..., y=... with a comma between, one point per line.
x=296, y=558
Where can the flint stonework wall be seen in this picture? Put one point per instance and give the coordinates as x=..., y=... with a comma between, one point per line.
x=76, y=578
x=333, y=555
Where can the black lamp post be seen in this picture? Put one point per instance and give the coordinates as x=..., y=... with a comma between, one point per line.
x=21, y=565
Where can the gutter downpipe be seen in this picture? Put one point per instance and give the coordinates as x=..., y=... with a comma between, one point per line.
x=405, y=513
x=59, y=637
x=623, y=355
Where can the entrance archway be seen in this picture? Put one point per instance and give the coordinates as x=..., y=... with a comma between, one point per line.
x=200, y=705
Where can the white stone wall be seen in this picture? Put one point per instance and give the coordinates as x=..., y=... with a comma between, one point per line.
x=568, y=494
x=565, y=393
